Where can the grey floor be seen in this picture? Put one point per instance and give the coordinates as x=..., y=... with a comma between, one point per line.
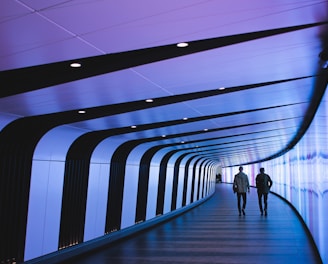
x=214, y=233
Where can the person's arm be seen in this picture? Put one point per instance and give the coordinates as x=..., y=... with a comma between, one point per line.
x=234, y=185
x=248, y=184
x=269, y=181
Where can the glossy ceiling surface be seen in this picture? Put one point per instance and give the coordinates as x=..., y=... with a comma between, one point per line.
x=242, y=91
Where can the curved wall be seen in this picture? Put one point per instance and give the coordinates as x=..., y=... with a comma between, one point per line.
x=47, y=177
x=166, y=175
x=301, y=177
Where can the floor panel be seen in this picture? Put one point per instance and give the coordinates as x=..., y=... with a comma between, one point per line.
x=214, y=233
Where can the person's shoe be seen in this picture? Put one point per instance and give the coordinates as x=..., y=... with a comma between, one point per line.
x=261, y=212
x=265, y=212
x=243, y=212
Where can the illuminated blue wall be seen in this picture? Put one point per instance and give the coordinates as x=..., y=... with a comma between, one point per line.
x=301, y=177
x=47, y=183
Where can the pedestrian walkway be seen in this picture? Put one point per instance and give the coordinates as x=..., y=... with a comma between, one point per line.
x=214, y=233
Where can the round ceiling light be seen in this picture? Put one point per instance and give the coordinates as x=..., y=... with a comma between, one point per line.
x=182, y=44
x=75, y=65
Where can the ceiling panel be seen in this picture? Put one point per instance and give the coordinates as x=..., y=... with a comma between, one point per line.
x=243, y=124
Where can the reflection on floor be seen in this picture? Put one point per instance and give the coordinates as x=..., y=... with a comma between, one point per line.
x=214, y=233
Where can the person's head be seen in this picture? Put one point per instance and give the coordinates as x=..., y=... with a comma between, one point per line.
x=262, y=170
x=240, y=168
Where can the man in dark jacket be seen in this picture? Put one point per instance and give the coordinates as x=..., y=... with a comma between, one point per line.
x=263, y=185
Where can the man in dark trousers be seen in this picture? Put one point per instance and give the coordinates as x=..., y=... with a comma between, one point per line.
x=263, y=185
x=241, y=186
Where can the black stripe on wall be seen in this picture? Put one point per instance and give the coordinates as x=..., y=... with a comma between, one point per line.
x=116, y=186
x=206, y=178
x=175, y=183
x=200, y=191
x=193, y=182
x=185, y=183
x=17, y=144
x=162, y=183
x=73, y=203
x=143, y=184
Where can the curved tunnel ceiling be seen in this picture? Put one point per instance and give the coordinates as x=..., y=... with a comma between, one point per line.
x=244, y=90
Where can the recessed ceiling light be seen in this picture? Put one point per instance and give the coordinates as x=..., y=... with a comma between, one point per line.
x=182, y=44
x=149, y=100
x=133, y=126
x=185, y=118
x=182, y=142
x=221, y=88
x=163, y=135
x=81, y=111
x=75, y=65
x=205, y=129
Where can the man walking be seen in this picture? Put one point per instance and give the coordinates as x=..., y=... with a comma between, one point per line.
x=263, y=185
x=241, y=186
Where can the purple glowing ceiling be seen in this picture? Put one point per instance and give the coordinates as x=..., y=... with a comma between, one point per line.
x=239, y=125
